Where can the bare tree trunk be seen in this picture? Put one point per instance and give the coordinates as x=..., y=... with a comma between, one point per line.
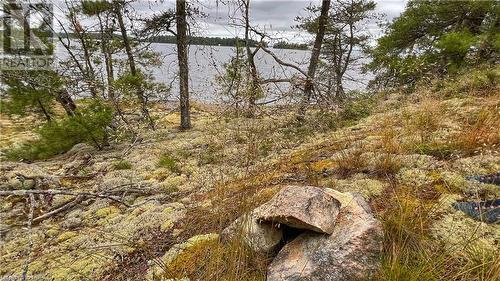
x=66, y=101
x=106, y=37
x=339, y=88
x=254, y=79
x=131, y=62
x=89, y=73
x=313, y=63
x=182, y=55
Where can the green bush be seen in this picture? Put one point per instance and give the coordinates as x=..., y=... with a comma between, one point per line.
x=58, y=136
x=355, y=110
x=470, y=82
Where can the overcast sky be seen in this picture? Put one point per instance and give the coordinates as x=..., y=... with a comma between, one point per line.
x=274, y=16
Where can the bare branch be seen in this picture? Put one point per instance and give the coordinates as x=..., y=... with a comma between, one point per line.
x=279, y=61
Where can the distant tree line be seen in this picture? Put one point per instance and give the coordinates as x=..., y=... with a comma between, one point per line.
x=287, y=45
x=195, y=40
x=208, y=41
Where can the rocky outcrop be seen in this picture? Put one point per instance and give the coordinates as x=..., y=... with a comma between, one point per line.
x=321, y=243
x=260, y=237
x=79, y=149
x=301, y=207
x=351, y=252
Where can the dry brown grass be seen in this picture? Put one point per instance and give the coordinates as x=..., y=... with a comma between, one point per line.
x=390, y=147
x=411, y=253
x=479, y=131
x=423, y=120
x=214, y=260
x=350, y=162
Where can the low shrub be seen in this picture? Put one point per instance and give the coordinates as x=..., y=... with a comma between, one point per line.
x=479, y=82
x=58, y=136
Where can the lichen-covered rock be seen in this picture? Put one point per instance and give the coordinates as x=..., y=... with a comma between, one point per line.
x=79, y=149
x=351, y=252
x=477, y=165
x=260, y=237
x=419, y=161
x=302, y=207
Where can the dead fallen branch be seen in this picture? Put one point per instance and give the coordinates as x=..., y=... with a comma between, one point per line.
x=53, y=192
x=30, y=238
x=66, y=206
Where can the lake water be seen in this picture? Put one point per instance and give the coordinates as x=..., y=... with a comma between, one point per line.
x=207, y=62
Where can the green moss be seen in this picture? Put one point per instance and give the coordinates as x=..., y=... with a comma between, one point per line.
x=107, y=213
x=436, y=149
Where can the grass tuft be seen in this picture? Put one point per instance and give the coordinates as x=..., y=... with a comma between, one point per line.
x=169, y=162
x=122, y=165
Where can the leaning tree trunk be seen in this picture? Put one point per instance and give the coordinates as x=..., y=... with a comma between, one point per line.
x=313, y=62
x=133, y=69
x=254, y=79
x=182, y=56
x=44, y=111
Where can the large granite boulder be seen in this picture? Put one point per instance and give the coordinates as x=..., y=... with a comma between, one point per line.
x=301, y=207
x=260, y=237
x=350, y=252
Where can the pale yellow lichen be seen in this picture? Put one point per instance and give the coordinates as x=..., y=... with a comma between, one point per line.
x=66, y=236
x=366, y=187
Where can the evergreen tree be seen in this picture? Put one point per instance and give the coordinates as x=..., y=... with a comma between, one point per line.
x=435, y=37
